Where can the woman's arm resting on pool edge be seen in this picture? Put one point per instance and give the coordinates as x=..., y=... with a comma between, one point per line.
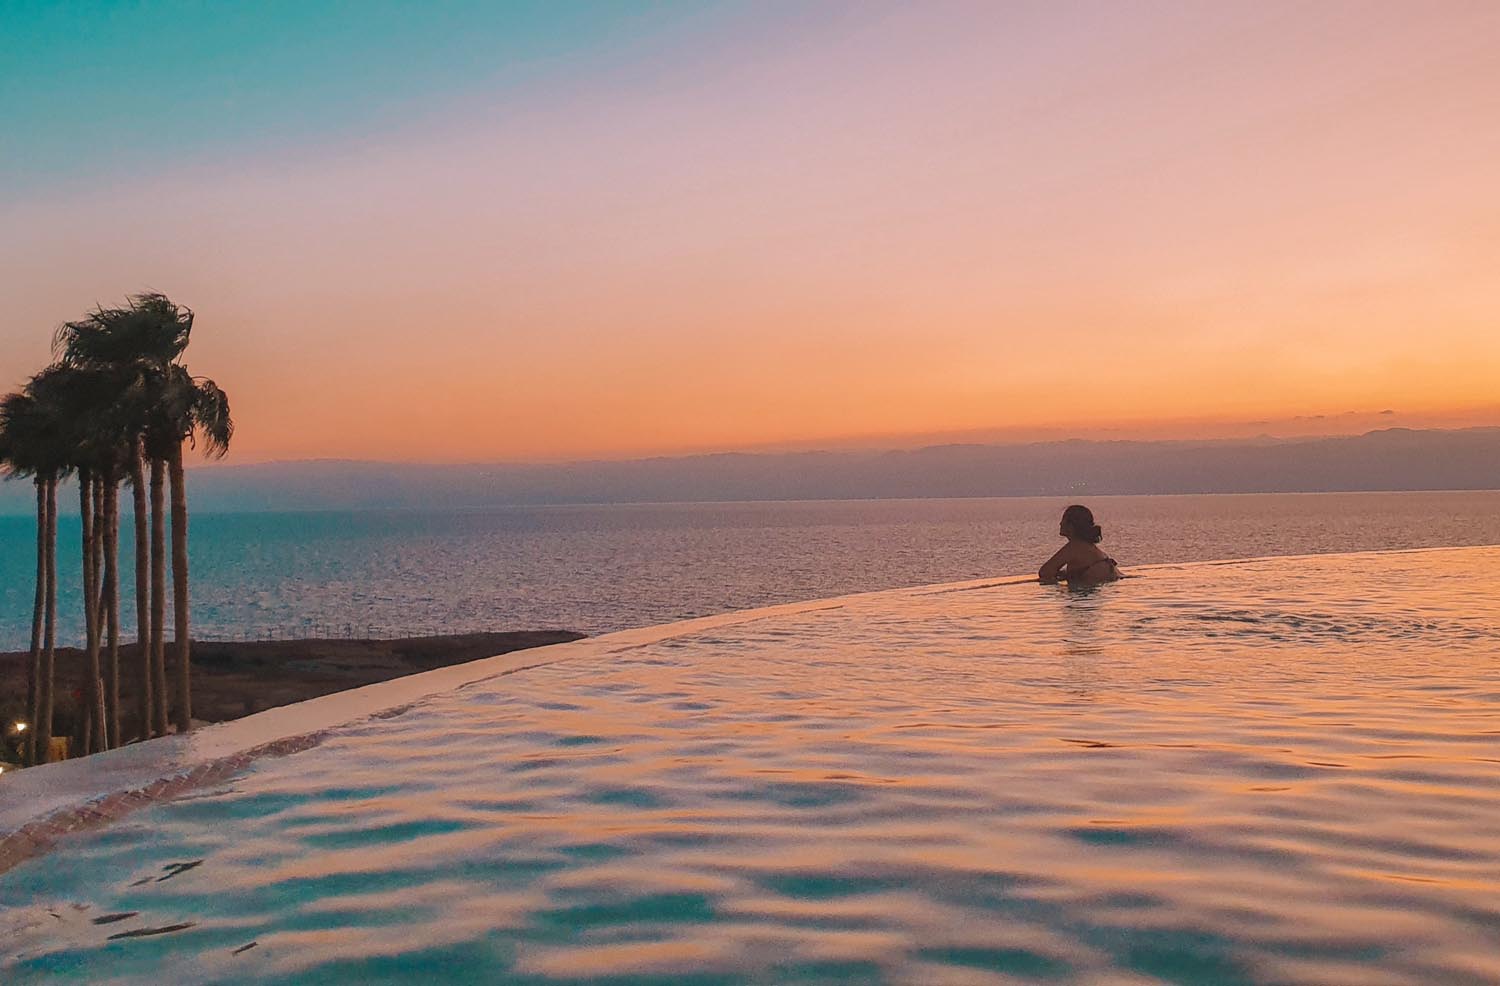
x=1052, y=568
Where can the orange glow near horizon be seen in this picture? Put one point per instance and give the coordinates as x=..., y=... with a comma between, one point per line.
x=1176, y=225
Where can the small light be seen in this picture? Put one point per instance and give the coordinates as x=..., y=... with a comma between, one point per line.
x=20, y=727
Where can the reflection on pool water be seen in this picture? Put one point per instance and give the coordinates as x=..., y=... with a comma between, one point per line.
x=1281, y=771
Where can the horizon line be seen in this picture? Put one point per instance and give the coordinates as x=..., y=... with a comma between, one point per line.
x=782, y=450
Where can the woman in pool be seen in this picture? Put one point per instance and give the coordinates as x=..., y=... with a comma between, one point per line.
x=1080, y=561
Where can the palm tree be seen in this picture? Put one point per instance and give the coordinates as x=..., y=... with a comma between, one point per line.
x=188, y=409
x=109, y=593
x=38, y=434
x=89, y=396
x=168, y=407
x=24, y=436
x=145, y=335
x=89, y=433
x=145, y=686
x=158, y=590
x=89, y=508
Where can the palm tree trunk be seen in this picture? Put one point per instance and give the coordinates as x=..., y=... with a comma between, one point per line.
x=34, y=667
x=86, y=522
x=111, y=599
x=159, y=595
x=180, y=590
x=87, y=503
x=144, y=702
x=101, y=722
x=98, y=501
x=43, y=726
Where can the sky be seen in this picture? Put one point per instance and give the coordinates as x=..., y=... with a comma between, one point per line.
x=482, y=231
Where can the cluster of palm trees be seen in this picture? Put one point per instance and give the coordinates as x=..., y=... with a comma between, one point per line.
x=116, y=406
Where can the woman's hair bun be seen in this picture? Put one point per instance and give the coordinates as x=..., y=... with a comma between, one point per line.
x=1081, y=520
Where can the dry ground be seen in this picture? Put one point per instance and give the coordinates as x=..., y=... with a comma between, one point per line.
x=237, y=678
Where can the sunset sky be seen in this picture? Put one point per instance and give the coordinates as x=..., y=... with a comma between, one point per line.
x=473, y=231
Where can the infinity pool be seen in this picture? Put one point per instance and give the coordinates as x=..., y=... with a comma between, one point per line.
x=1266, y=772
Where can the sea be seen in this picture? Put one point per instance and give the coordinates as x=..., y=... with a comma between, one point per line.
x=599, y=568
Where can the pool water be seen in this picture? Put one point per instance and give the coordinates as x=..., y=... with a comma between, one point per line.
x=1265, y=772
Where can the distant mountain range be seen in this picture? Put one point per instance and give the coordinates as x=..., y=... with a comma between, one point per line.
x=1391, y=459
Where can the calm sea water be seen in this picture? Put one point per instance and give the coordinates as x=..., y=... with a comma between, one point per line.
x=601, y=568
x=1254, y=774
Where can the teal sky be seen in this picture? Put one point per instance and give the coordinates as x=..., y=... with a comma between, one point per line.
x=99, y=87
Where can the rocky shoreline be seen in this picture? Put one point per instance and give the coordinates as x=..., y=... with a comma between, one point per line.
x=232, y=679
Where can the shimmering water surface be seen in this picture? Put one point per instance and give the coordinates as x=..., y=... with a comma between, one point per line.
x=1269, y=772
x=600, y=568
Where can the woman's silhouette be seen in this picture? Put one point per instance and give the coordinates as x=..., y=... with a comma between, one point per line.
x=1080, y=561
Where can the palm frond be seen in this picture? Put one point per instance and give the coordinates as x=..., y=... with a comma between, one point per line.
x=149, y=327
x=121, y=382
x=211, y=417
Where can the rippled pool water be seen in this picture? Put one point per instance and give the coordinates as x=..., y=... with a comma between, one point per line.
x=1267, y=772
